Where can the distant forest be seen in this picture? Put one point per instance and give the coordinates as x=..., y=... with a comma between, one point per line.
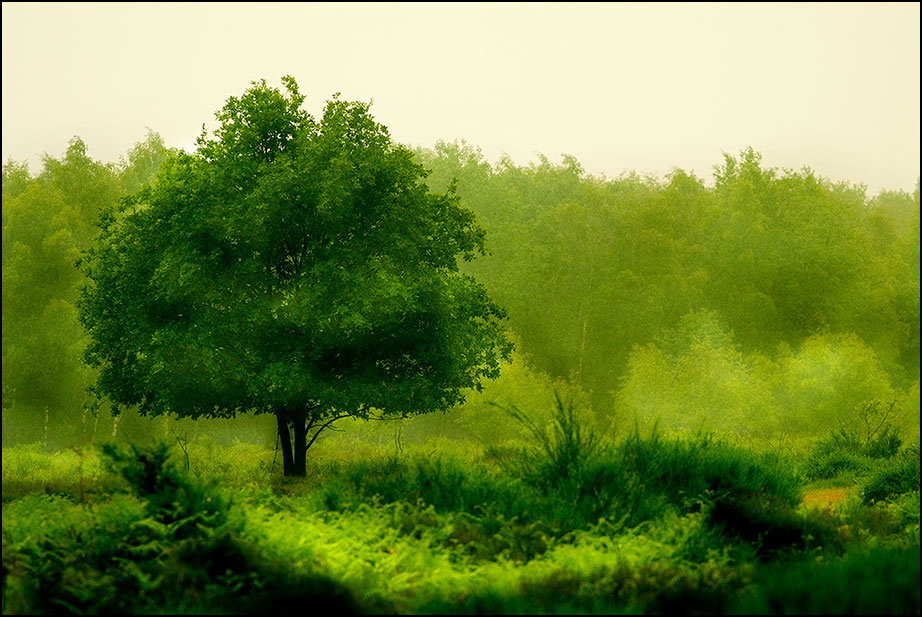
x=772, y=304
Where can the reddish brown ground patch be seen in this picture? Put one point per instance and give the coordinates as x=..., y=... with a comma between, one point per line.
x=825, y=497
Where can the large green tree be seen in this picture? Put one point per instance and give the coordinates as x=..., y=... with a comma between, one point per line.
x=294, y=267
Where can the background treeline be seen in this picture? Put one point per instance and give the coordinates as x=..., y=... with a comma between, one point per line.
x=48, y=219
x=772, y=304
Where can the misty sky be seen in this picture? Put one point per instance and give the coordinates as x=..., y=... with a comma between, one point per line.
x=643, y=87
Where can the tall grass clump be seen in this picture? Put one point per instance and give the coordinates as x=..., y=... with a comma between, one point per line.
x=843, y=454
x=570, y=466
x=564, y=448
x=747, y=497
x=852, y=452
x=703, y=467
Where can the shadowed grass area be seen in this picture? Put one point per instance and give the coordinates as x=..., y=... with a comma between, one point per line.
x=173, y=544
x=869, y=582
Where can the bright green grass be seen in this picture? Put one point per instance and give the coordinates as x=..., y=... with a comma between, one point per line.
x=645, y=525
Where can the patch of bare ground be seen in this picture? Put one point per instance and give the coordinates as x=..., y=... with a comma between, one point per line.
x=825, y=498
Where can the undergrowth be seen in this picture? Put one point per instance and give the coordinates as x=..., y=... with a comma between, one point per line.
x=571, y=523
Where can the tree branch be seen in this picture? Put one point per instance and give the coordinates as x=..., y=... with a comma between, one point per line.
x=325, y=425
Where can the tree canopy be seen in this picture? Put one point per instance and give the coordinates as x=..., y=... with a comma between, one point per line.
x=289, y=266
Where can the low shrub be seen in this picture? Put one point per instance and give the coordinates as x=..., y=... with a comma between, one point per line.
x=845, y=453
x=898, y=476
x=703, y=468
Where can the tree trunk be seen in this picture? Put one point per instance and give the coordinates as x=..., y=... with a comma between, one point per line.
x=285, y=439
x=294, y=442
x=300, y=449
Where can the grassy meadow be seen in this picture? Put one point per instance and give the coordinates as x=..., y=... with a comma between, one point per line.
x=568, y=521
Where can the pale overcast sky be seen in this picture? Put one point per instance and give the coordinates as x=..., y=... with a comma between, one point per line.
x=621, y=86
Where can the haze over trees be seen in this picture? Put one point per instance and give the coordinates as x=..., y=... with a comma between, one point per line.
x=775, y=302
x=771, y=303
x=47, y=221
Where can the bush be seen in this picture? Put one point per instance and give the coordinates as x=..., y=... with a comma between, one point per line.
x=845, y=453
x=897, y=477
x=704, y=469
x=172, y=498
